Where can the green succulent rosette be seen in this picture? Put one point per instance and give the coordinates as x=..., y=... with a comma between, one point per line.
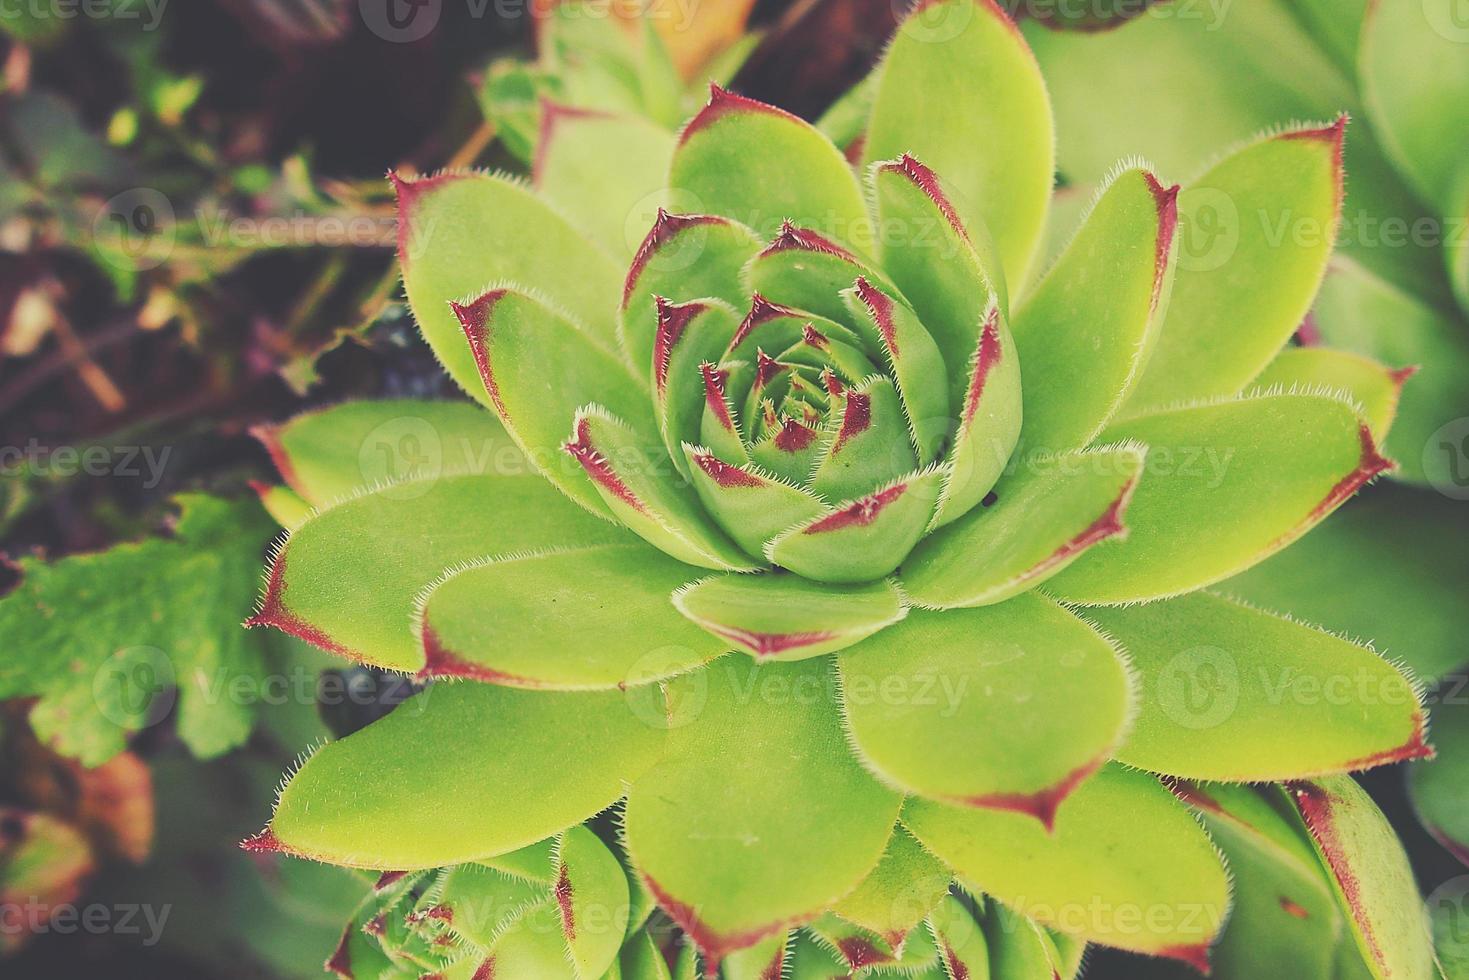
x=860, y=559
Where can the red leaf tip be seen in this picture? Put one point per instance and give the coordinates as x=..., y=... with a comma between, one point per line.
x=665, y=226
x=923, y=177
x=673, y=321
x=860, y=512
x=723, y=102
x=598, y=467
x=265, y=842
x=1195, y=956
x=792, y=238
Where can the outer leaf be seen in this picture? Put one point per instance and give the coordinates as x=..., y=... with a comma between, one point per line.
x=1120, y=842
x=539, y=368
x=1415, y=80
x=1372, y=386
x=972, y=52
x=572, y=620
x=591, y=897
x=862, y=539
x=1009, y=707
x=1274, y=207
x=1041, y=521
x=1232, y=693
x=1086, y=332
x=1374, y=883
x=103, y=639
x=761, y=166
x=683, y=258
x=786, y=617
x=945, y=269
x=1438, y=785
x=1389, y=567
x=1285, y=921
x=1349, y=314
x=789, y=825
x=395, y=795
x=400, y=542
x=328, y=453
x=457, y=232
x=1230, y=484
x=642, y=489
x=605, y=170
x=907, y=884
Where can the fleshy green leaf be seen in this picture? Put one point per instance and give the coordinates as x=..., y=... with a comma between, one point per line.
x=861, y=539
x=642, y=489
x=759, y=815
x=1235, y=694
x=539, y=369
x=688, y=336
x=1415, y=80
x=1438, y=786
x=1009, y=707
x=328, y=453
x=1120, y=841
x=805, y=270
x=1273, y=209
x=1043, y=519
x=400, y=539
x=761, y=166
x=433, y=784
x=869, y=442
x=1019, y=949
x=458, y=232
x=751, y=505
x=1389, y=567
x=1370, y=871
x=1227, y=485
x=1372, y=386
x=993, y=96
x=1285, y=921
x=1085, y=333
x=990, y=421
x=786, y=617
x=961, y=937
x=573, y=620
x=914, y=361
x=1350, y=313
x=683, y=258
x=946, y=270
x=907, y=884
x=604, y=170
x=104, y=639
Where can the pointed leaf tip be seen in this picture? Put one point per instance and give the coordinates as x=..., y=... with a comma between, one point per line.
x=673, y=320
x=1042, y=805
x=598, y=468
x=793, y=238
x=1372, y=465
x=441, y=662
x=923, y=177
x=722, y=102
x=665, y=227
x=880, y=305
x=860, y=513
x=265, y=842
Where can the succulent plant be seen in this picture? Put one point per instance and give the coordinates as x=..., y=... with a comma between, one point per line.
x=865, y=573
